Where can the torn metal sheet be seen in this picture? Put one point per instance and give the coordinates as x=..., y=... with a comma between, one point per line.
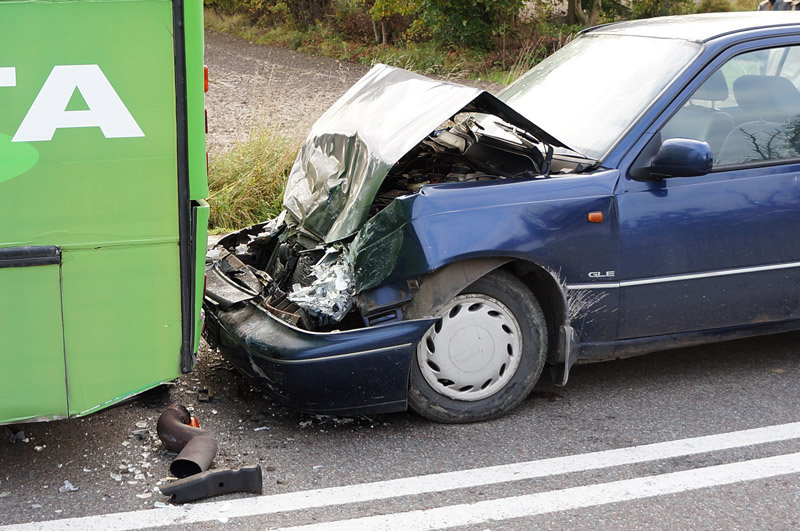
x=352, y=147
x=331, y=293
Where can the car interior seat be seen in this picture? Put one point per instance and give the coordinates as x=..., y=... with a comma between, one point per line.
x=769, y=127
x=703, y=122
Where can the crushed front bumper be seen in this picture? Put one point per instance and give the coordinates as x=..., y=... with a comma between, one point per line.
x=350, y=372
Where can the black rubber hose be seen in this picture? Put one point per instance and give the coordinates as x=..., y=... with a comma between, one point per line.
x=196, y=446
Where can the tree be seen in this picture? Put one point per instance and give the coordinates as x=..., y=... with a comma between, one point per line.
x=576, y=13
x=382, y=10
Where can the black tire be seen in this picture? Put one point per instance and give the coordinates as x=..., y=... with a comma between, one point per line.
x=498, y=299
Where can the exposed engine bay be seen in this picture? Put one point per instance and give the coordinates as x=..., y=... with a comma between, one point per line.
x=311, y=285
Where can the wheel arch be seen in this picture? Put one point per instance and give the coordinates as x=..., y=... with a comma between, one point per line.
x=438, y=287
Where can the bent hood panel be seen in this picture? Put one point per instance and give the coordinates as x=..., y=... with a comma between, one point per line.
x=353, y=146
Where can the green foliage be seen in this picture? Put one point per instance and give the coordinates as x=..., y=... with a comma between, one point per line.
x=382, y=9
x=655, y=8
x=714, y=6
x=246, y=183
x=467, y=23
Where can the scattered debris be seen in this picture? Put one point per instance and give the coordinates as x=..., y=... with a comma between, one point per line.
x=67, y=487
x=141, y=424
x=116, y=477
x=305, y=424
x=160, y=505
x=40, y=448
x=205, y=395
x=13, y=436
x=4, y=494
x=261, y=428
x=144, y=495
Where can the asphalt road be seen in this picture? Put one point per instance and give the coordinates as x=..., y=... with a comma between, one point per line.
x=678, y=395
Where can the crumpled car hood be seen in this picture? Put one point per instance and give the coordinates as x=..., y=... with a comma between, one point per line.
x=352, y=147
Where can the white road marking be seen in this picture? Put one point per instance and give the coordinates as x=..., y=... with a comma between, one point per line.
x=572, y=498
x=380, y=490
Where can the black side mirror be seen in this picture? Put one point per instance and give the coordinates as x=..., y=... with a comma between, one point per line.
x=681, y=157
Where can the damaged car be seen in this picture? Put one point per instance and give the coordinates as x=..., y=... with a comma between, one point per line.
x=440, y=247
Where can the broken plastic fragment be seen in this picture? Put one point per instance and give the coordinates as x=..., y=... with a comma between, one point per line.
x=273, y=226
x=331, y=293
x=67, y=487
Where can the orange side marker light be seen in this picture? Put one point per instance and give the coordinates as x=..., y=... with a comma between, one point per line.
x=595, y=217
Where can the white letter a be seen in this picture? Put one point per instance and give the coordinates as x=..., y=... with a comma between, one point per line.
x=49, y=113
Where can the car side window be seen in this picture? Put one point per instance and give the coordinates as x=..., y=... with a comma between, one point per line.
x=747, y=111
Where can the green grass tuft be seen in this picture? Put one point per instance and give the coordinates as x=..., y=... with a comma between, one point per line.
x=246, y=182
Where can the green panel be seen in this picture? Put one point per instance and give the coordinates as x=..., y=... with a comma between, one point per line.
x=201, y=237
x=122, y=322
x=32, y=382
x=195, y=99
x=84, y=188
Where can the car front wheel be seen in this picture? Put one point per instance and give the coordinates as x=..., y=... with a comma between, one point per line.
x=483, y=355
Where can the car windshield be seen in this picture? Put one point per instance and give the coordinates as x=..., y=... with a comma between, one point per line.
x=588, y=93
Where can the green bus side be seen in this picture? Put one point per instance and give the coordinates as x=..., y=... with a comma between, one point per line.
x=103, y=224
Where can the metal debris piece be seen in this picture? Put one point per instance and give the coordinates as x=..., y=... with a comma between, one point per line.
x=13, y=436
x=331, y=293
x=214, y=483
x=67, y=487
x=144, y=495
x=141, y=424
x=272, y=226
x=141, y=434
x=205, y=395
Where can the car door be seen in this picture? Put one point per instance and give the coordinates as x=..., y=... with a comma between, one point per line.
x=723, y=249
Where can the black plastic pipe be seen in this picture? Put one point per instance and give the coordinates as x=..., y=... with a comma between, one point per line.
x=196, y=446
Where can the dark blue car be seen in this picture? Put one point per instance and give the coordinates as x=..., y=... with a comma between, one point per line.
x=639, y=190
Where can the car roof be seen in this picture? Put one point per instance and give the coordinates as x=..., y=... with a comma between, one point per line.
x=703, y=27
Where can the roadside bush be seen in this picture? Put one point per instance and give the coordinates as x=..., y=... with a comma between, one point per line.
x=714, y=6
x=654, y=8
x=468, y=23
x=246, y=183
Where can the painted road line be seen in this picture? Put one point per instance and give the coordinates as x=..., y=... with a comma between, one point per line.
x=379, y=490
x=572, y=498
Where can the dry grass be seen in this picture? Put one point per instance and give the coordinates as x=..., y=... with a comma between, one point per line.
x=246, y=182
